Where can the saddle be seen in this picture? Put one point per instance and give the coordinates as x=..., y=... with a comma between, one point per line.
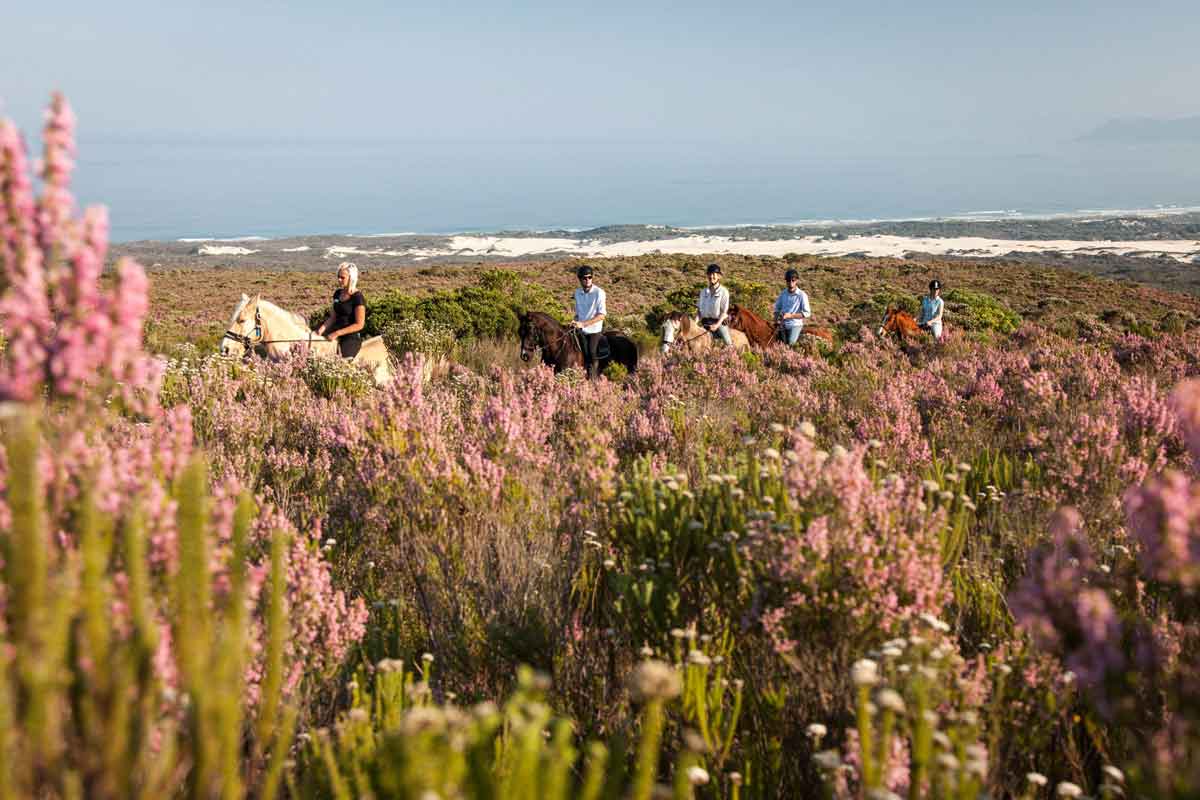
x=603, y=350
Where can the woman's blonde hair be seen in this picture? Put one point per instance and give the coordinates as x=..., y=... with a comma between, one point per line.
x=351, y=270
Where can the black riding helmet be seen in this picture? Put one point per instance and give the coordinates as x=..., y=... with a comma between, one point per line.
x=583, y=272
x=791, y=273
x=935, y=284
x=714, y=269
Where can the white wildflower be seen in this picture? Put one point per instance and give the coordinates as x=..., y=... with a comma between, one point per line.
x=891, y=700
x=865, y=672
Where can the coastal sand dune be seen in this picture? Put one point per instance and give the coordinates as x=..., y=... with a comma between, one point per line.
x=881, y=246
x=877, y=246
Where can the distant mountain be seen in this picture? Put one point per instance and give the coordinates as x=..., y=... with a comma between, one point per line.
x=1146, y=130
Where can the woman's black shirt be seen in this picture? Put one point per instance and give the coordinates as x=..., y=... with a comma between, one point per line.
x=343, y=317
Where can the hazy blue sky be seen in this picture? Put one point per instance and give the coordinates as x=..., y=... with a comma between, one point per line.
x=869, y=76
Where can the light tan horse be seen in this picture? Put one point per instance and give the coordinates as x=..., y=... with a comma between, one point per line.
x=681, y=331
x=261, y=323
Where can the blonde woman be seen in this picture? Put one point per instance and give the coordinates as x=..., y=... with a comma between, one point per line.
x=349, y=313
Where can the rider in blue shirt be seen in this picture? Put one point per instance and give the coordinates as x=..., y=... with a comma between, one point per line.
x=791, y=309
x=932, y=306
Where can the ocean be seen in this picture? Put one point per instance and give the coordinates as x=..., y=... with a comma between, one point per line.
x=171, y=189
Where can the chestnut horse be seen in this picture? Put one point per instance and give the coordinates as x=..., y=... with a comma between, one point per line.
x=901, y=323
x=561, y=348
x=762, y=333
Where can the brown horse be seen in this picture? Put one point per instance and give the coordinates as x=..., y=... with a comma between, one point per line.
x=681, y=331
x=561, y=348
x=901, y=323
x=762, y=333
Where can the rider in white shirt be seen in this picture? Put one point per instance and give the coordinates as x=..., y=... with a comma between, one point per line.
x=713, y=306
x=590, y=310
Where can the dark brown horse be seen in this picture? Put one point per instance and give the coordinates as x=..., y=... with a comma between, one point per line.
x=762, y=333
x=561, y=348
x=901, y=323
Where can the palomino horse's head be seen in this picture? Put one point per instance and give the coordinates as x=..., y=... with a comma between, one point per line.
x=671, y=327
x=245, y=328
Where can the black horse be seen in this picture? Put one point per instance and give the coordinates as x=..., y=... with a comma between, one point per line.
x=561, y=347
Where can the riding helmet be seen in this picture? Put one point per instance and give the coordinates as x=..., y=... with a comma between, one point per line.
x=935, y=284
x=791, y=273
x=583, y=272
x=714, y=269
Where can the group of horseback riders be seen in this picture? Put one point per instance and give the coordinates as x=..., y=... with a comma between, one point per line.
x=791, y=309
x=347, y=316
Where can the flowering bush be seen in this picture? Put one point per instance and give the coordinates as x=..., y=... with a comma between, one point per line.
x=115, y=459
x=757, y=521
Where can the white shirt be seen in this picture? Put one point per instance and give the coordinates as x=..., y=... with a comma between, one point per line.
x=713, y=305
x=590, y=304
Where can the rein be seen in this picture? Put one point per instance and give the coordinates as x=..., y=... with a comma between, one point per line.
x=249, y=342
x=562, y=334
x=681, y=341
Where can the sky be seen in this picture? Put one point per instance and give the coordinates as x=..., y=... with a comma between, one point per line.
x=861, y=77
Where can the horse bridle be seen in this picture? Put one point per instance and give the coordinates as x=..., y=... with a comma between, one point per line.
x=681, y=341
x=244, y=339
x=545, y=345
x=249, y=342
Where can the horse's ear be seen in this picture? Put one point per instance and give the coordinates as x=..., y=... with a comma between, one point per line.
x=257, y=297
x=245, y=298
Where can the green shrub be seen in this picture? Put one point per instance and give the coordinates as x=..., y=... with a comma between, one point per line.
x=1176, y=323
x=976, y=311
x=487, y=311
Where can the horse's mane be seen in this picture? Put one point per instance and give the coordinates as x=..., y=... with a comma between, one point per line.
x=296, y=318
x=736, y=309
x=238, y=309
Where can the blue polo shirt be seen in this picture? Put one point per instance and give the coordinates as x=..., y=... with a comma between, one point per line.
x=790, y=302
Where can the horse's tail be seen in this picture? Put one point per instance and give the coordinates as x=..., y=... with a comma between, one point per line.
x=624, y=351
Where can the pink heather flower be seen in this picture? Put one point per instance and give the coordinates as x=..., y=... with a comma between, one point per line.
x=1164, y=518
x=16, y=194
x=57, y=204
x=64, y=333
x=1185, y=402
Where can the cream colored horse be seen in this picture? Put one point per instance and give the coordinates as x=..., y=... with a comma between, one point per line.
x=257, y=322
x=682, y=331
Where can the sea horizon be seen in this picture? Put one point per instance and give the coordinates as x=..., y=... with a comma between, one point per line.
x=172, y=191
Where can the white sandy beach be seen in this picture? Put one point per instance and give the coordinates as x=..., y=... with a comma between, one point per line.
x=880, y=246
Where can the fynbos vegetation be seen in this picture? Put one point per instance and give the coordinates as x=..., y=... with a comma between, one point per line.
x=961, y=569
